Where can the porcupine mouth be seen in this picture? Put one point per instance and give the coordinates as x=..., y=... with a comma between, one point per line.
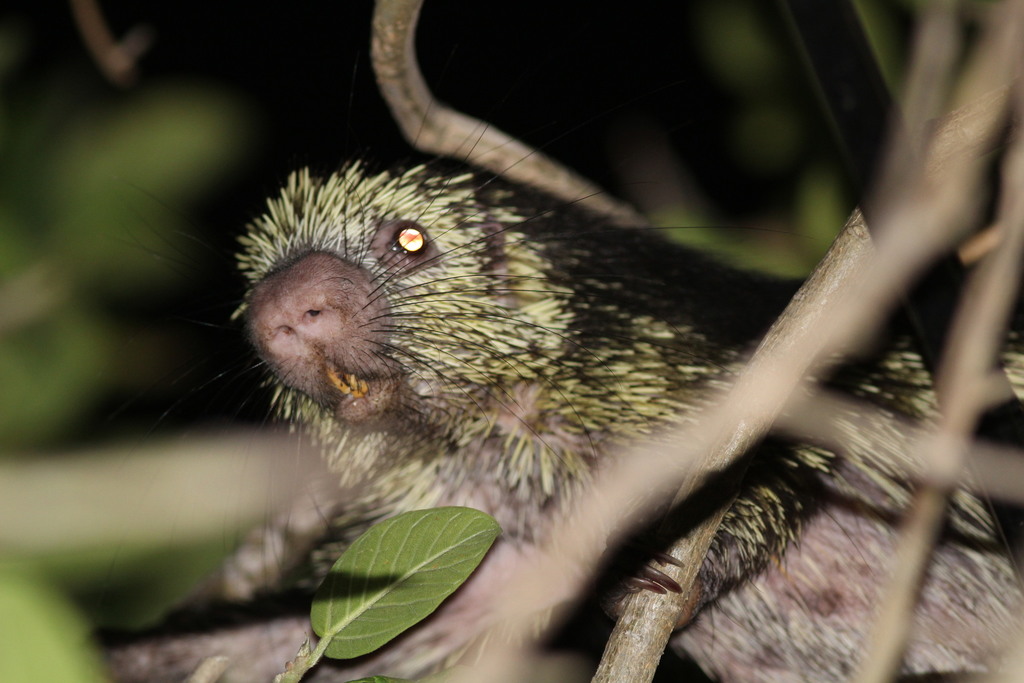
x=360, y=398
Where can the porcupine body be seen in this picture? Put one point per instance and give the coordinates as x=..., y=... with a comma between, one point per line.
x=450, y=339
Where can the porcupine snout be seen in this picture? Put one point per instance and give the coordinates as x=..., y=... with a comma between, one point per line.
x=319, y=325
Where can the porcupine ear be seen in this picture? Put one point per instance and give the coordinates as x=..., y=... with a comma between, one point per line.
x=434, y=128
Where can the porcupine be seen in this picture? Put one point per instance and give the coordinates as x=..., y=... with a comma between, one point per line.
x=452, y=339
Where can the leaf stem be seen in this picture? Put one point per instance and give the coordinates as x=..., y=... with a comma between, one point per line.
x=303, y=662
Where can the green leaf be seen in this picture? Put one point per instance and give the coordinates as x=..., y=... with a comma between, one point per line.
x=43, y=637
x=396, y=574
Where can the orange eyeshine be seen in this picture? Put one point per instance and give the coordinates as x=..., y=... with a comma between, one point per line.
x=411, y=240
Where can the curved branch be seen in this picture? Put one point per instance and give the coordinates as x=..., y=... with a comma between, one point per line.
x=116, y=60
x=435, y=128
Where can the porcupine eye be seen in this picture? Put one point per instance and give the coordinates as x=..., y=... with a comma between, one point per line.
x=403, y=244
x=410, y=240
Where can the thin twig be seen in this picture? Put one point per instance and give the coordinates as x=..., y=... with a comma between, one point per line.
x=649, y=619
x=834, y=421
x=210, y=670
x=116, y=60
x=964, y=387
x=121, y=497
x=435, y=128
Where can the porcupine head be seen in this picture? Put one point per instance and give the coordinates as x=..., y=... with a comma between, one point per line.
x=453, y=339
x=414, y=331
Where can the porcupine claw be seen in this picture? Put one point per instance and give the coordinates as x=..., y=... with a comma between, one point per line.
x=654, y=580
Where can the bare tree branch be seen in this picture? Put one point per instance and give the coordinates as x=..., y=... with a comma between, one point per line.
x=834, y=420
x=783, y=358
x=435, y=128
x=930, y=210
x=116, y=60
x=95, y=486
x=210, y=671
x=964, y=386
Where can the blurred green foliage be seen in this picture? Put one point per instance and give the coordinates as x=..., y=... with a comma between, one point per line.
x=43, y=638
x=778, y=133
x=95, y=189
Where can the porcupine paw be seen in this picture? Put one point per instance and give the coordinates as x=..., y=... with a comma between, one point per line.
x=648, y=577
x=645, y=576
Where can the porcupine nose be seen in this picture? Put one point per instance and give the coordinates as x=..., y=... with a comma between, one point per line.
x=314, y=314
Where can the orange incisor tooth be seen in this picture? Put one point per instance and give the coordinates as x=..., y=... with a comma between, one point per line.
x=337, y=381
x=348, y=383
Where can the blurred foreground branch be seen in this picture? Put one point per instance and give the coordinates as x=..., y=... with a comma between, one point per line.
x=116, y=60
x=122, y=496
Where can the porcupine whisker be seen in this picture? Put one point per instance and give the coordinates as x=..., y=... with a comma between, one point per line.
x=420, y=366
x=177, y=374
x=451, y=414
x=505, y=404
x=565, y=338
x=237, y=372
x=595, y=297
x=436, y=346
x=492, y=313
x=570, y=235
x=400, y=295
x=461, y=224
x=447, y=183
x=549, y=381
x=421, y=362
x=449, y=382
x=515, y=367
x=481, y=242
x=411, y=295
x=385, y=277
x=551, y=359
x=596, y=275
